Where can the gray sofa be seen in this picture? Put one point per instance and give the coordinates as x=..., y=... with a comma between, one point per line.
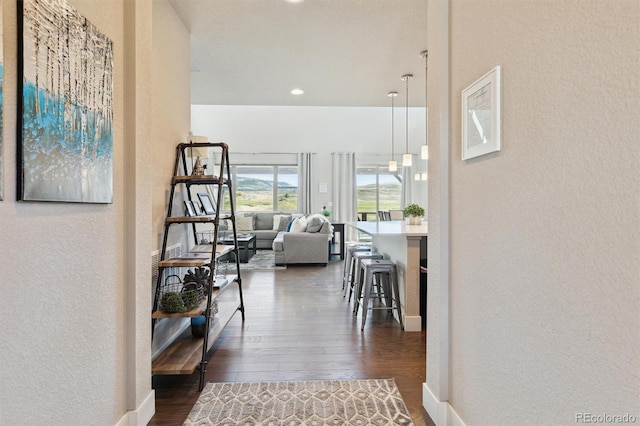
x=261, y=225
x=308, y=246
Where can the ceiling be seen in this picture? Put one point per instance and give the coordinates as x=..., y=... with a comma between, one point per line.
x=340, y=52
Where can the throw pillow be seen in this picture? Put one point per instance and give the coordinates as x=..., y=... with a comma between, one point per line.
x=284, y=222
x=276, y=221
x=289, y=226
x=299, y=225
x=315, y=222
x=244, y=223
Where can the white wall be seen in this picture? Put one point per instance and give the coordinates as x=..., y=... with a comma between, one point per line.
x=321, y=130
x=74, y=348
x=170, y=126
x=545, y=243
x=170, y=109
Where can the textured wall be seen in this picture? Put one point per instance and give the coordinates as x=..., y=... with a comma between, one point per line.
x=170, y=109
x=170, y=117
x=63, y=278
x=437, y=341
x=545, y=240
x=76, y=277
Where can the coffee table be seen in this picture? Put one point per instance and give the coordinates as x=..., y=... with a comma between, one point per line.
x=246, y=245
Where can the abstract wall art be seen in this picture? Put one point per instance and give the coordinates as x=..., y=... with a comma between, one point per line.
x=65, y=115
x=1, y=101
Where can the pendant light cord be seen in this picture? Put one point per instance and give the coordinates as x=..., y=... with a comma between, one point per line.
x=407, y=116
x=425, y=55
x=392, y=127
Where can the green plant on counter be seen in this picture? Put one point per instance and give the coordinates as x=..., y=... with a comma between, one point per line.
x=413, y=210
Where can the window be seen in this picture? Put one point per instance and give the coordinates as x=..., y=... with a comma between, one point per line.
x=378, y=189
x=287, y=189
x=264, y=188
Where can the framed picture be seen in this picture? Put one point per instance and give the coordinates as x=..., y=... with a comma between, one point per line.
x=207, y=205
x=197, y=208
x=481, y=116
x=189, y=209
x=1, y=93
x=65, y=105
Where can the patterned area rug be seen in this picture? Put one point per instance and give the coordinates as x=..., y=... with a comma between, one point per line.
x=307, y=403
x=262, y=260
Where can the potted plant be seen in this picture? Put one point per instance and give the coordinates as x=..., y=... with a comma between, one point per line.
x=414, y=212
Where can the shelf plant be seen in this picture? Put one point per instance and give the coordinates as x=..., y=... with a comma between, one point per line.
x=414, y=212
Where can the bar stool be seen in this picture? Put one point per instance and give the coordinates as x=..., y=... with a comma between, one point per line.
x=348, y=272
x=355, y=284
x=359, y=280
x=378, y=268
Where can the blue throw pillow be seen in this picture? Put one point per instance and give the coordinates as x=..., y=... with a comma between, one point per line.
x=289, y=226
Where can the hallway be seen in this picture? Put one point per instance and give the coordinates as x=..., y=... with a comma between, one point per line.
x=299, y=327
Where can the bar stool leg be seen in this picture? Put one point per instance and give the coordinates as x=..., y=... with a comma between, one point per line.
x=346, y=276
x=388, y=293
x=358, y=283
x=355, y=276
x=368, y=281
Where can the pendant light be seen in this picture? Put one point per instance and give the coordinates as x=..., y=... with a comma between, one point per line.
x=393, y=164
x=406, y=158
x=424, y=150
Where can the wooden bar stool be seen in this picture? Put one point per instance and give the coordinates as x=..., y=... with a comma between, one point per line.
x=378, y=268
x=355, y=286
x=349, y=272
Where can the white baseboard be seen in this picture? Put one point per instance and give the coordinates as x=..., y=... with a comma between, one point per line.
x=142, y=414
x=455, y=419
x=412, y=323
x=440, y=412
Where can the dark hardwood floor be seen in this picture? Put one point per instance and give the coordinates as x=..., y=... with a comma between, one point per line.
x=299, y=327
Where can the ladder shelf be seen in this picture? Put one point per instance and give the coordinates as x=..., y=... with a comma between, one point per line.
x=223, y=295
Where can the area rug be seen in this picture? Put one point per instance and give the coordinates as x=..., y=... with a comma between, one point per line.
x=304, y=403
x=262, y=260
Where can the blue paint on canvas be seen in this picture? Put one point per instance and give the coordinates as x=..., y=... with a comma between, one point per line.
x=1, y=123
x=67, y=149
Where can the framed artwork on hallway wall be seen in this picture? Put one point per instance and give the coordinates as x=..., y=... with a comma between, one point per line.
x=1, y=103
x=65, y=105
x=481, y=116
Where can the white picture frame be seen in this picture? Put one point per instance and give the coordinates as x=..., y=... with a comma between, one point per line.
x=189, y=209
x=481, y=116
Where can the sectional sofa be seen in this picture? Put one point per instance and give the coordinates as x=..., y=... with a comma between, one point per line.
x=306, y=243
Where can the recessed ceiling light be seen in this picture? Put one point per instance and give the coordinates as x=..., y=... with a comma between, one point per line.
x=294, y=1
x=297, y=92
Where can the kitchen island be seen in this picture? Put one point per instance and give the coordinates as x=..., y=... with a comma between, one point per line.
x=406, y=245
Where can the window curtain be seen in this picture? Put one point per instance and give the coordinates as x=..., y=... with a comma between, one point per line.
x=344, y=191
x=305, y=161
x=407, y=186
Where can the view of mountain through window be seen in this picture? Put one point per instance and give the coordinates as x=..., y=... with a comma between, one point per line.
x=378, y=189
x=266, y=188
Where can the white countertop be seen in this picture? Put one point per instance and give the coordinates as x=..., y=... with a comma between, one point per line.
x=391, y=227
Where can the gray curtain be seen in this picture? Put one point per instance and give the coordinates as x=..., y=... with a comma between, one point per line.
x=407, y=186
x=305, y=169
x=344, y=191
